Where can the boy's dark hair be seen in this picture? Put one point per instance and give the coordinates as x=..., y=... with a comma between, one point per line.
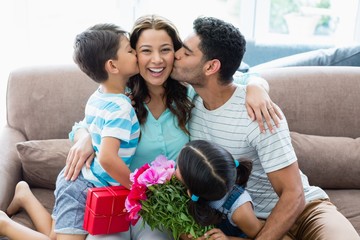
x=221, y=40
x=209, y=172
x=95, y=46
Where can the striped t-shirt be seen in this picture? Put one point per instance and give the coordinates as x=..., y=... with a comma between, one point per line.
x=110, y=115
x=230, y=127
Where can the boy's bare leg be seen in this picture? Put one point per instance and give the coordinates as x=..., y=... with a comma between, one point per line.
x=70, y=237
x=25, y=199
x=15, y=231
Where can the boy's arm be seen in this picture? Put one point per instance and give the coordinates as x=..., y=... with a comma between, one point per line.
x=80, y=153
x=112, y=163
x=258, y=102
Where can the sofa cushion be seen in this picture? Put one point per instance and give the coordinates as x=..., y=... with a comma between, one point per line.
x=42, y=160
x=326, y=160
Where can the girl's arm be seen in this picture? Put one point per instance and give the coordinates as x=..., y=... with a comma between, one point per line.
x=244, y=217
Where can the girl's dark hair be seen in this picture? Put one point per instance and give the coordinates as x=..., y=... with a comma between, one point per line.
x=95, y=46
x=209, y=172
x=175, y=92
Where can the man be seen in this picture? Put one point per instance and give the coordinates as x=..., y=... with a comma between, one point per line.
x=281, y=193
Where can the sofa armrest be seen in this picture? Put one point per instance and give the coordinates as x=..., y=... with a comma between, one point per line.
x=10, y=165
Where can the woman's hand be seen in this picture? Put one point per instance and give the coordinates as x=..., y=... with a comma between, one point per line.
x=259, y=105
x=80, y=153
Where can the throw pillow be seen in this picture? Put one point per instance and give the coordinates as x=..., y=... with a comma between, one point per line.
x=328, y=162
x=42, y=160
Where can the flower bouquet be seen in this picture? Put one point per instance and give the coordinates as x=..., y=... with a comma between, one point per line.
x=161, y=199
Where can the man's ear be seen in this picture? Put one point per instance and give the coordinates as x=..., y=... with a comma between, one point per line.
x=212, y=66
x=110, y=67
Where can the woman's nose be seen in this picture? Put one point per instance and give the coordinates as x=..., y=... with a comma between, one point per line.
x=157, y=58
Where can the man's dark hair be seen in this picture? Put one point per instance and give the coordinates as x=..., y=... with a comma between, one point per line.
x=95, y=46
x=221, y=40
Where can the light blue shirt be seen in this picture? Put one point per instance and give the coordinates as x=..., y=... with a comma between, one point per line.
x=160, y=136
x=110, y=115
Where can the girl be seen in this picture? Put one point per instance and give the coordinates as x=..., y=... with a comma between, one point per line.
x=216, y=183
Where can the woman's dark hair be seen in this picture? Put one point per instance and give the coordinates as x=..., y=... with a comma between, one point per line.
x=95, y=46
x=175, y=92
x=209, y=172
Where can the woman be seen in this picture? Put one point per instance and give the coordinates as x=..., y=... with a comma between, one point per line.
x=162, y=105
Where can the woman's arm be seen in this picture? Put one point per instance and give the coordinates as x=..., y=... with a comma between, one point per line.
x=258, y=102
x=80, y=153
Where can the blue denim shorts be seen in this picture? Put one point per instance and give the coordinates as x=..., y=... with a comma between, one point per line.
x=70, y=202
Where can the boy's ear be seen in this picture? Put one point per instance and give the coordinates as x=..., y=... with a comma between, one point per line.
x=111, y=67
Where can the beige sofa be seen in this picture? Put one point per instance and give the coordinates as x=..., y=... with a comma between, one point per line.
x=322, y=106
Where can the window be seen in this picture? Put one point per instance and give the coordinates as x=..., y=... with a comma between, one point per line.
x=42, y=31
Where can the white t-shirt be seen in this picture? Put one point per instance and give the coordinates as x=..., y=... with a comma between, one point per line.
x=230, y=127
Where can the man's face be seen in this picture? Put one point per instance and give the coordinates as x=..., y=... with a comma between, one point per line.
x=188, y=65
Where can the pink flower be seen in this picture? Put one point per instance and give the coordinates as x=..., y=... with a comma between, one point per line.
x=163, y=162
x=152, y=176
x=137, y=193
x=160, y=171
x=133, y=212
x=135, y=175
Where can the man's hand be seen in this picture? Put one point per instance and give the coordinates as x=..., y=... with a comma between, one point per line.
x=259, y=105
x=80, y=153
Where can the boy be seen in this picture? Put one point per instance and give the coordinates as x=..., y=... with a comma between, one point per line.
x=103, y=52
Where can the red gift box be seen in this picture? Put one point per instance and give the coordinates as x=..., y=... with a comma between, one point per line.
x=105, y=211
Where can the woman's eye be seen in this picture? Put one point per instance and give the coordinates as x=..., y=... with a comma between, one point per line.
x=166, y=50
x=145, y=50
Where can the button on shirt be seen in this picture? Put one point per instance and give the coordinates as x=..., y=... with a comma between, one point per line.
x=160, y=136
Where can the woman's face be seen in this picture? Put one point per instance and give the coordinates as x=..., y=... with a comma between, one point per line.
x=155, y=53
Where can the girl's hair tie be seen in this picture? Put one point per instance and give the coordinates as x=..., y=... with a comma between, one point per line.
x=236, y=163
x=194, y=198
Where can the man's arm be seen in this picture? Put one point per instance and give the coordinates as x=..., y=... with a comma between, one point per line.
x=288, y=186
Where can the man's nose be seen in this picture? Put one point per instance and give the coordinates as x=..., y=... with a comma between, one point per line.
x=178, y=54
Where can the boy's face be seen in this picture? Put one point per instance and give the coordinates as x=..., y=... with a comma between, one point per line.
x=126, y=59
